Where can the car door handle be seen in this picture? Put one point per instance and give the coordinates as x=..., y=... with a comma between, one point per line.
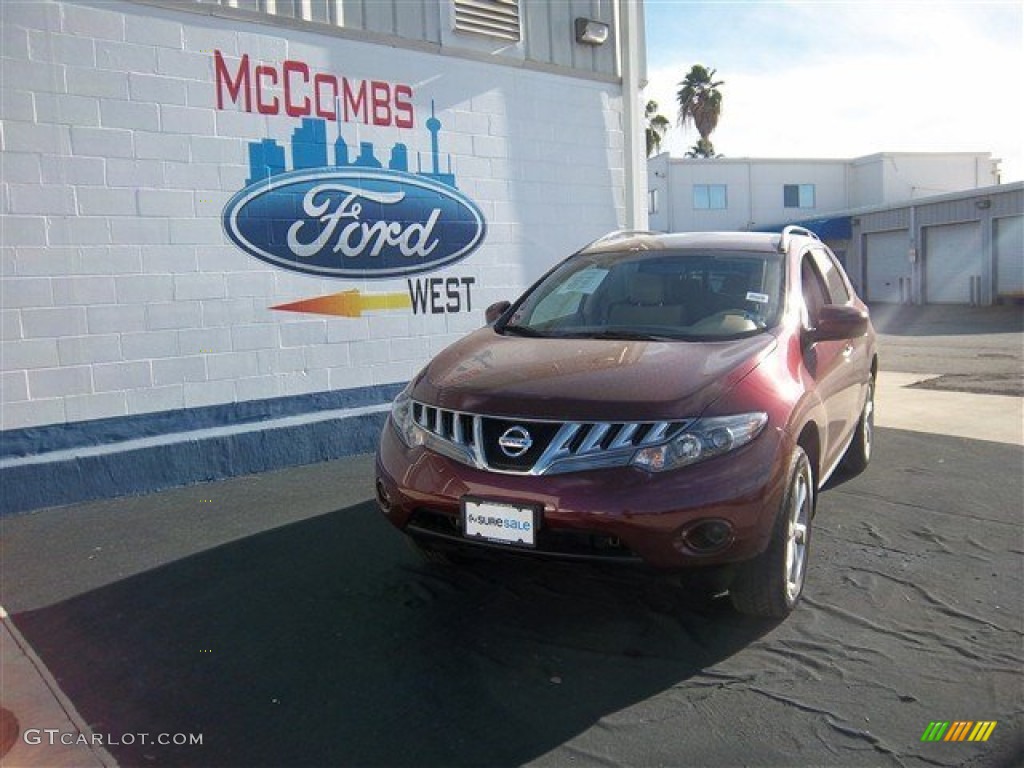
x=848, y=350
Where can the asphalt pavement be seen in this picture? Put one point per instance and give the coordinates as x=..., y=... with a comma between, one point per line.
x=278, y=619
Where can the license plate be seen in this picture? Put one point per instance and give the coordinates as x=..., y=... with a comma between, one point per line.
x=500, y=523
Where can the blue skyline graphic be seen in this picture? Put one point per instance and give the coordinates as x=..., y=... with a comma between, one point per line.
x=309, y=149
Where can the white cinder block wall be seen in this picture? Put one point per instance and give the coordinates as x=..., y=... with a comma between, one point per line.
x=122, y=297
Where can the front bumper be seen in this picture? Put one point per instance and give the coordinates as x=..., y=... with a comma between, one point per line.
x=623, y=514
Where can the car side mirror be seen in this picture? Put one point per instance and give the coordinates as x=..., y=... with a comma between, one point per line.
x=837, y=322
x=496, y=310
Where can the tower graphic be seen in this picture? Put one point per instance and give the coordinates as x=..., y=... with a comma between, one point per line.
x=309, y=144
x=309, y=149
x=266, y=159
x=434, y=126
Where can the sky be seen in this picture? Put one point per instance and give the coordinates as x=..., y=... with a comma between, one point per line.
x=845, y=79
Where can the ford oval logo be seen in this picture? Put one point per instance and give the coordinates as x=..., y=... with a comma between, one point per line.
x=354, y=223
x=515, y=441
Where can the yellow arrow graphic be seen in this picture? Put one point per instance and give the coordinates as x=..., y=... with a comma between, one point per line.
x=348, y=303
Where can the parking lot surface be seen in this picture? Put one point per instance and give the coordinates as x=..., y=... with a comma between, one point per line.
x=280, y=618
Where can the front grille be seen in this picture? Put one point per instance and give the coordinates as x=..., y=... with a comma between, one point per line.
x=540, y=434
x=554, y=447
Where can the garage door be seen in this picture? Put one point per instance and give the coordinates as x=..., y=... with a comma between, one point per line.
x=1009, y=240
x=952, y=256
x=885, y=254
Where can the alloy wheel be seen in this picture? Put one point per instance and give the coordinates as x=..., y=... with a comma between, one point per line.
x=798, y=532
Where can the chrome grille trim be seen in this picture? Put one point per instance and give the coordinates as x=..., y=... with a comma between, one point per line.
x=575, y=447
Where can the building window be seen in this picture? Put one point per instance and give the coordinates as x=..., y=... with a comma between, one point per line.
x=494, y=18
x=798, y=196
x=652, y=201
x=709, y=197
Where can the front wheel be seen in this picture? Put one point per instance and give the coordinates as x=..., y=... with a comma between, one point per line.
x=770, y=585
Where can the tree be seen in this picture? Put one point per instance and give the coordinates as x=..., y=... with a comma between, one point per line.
x=657, y=125
x=700, y=105
x=703, y=148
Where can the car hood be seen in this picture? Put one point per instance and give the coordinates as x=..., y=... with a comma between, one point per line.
x=585, y=379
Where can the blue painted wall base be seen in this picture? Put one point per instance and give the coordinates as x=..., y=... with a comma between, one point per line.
x=81, y=465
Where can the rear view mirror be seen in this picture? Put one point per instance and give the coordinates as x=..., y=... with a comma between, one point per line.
x=837, y=322
x=496, y=310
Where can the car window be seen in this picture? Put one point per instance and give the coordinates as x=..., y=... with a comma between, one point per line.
x=814, y=291
x=832, y=272
x=673, y=295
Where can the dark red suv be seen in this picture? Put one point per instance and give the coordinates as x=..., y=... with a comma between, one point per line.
x=673, y=400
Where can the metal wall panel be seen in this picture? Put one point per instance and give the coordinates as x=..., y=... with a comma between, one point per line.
x=536, y=30
x=563, y=34
x=898, y=218
x=410, y=20
x=547, y=26
x=582, y=55
x=550, y=34
x=947, y=211
x=379, y=17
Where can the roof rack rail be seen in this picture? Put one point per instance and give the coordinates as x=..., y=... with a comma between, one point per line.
x=618, y=234
x=790, y=231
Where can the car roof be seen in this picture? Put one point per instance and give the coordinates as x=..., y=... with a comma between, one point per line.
x=629, y=240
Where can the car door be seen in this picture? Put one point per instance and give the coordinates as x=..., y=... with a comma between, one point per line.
x=857, y=352
x=830, y=363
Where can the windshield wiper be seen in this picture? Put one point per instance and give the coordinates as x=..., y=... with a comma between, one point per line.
x=618, y=335
x=523, y=330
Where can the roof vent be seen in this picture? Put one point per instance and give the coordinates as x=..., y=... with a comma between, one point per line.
x=494, y=18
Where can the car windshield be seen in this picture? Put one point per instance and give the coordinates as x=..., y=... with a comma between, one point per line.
x=663, y=296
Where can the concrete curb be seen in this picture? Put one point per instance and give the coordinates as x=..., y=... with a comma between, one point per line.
x=35, y=704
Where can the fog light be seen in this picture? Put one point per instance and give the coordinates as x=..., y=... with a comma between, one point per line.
x=707, y=537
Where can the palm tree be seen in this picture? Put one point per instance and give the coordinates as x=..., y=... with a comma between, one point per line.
x=700, y=104
x=703, y=148
x=656, y=127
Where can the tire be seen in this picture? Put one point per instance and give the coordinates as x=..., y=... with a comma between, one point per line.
x=858, y=455
x=770, y=585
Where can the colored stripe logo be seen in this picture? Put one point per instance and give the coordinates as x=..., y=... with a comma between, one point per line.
x=348, y=303
x=959, y=730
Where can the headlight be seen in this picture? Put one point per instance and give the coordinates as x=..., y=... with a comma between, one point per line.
x=403, y=421
x=703, y=439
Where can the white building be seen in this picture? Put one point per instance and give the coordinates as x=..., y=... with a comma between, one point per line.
x=960, y=248
x=759, y=193
x=918, y=228
x=232, y=230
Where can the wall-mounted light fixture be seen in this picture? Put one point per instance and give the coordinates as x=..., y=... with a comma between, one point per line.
x=983, y=204
x=591, y=32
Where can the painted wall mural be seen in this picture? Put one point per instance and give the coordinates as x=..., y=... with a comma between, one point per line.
x=340, y=211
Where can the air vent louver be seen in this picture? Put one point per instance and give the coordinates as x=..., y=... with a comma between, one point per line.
x=494, y=18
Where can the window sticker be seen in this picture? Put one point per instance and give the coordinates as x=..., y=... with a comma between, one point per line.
x=760, y=298
x=585, y=281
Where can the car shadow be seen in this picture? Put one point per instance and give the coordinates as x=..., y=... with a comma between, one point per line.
x=328, y=642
